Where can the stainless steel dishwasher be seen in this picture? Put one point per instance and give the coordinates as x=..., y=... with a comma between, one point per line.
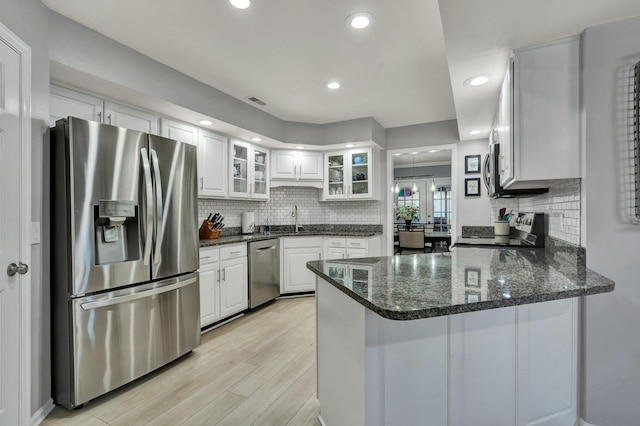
x=264, y=271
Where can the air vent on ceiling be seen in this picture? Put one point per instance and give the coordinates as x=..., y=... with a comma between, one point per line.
x=258, y=101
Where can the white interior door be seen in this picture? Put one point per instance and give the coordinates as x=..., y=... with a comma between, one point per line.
x=14, y=225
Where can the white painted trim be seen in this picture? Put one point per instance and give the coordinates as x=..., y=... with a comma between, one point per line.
x=321, y=421
x=39, y=416
x=8, y=37
x=581, y=422
x=387, y=235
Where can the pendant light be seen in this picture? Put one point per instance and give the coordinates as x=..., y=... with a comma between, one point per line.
x=414, y=188
x=397, y=188
x=433, y=185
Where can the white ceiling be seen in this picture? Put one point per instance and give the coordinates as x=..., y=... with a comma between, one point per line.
x=398, y=71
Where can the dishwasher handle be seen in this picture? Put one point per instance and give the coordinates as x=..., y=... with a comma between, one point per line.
x=266, y=248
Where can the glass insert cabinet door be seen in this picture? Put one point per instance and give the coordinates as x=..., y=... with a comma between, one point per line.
x=259, y=184
x=360, y=186
x=348, y=174
x=335, y=176
x=240, y=169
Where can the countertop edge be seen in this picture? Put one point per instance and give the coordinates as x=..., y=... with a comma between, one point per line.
x=234, y=239
x=469, y=307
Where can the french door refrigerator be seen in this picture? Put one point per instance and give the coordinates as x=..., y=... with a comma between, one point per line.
x=124, y=256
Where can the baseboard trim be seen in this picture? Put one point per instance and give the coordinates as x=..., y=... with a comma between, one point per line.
x=321, y=421
x=581, y=422
x=39, y=416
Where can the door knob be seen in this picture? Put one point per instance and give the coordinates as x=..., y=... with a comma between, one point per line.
x=21, y=269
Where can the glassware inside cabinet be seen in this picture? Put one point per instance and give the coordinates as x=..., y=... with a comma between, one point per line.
x=240, y=157
x=260, y=172
x=336, y=174
x=360, y=173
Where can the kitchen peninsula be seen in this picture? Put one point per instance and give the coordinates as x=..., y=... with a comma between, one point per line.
x=475, y=336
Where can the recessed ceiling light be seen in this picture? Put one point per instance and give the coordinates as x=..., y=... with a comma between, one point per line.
x=299, y=147
x=434, y=150
x=359, y=20
x=240, y=4
x=333, y=85
x=474, y=132
x=415, y=152
x=349, y=145
x=256, y=139
x=206, y=122
x=477, y=80
x=396, y=154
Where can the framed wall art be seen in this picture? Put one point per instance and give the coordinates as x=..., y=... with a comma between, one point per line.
x=472, y=277
x=472, y=163
x=472, y=187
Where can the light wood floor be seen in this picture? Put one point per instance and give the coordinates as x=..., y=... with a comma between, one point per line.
x=257, y=370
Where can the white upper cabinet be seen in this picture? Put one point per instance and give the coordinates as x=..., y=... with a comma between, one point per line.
x=65, y=102
x=543, y=147
x=212, y=165
x=248, y=171
x=179, y=131
x=349, y=175
x=296, y=165
x=129, y=118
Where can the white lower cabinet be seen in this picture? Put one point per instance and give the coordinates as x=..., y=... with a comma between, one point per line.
x=223, y=282
x=351, y=247
x=296, y=252
x=512, y=366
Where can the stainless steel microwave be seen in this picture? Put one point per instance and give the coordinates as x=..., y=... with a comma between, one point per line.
x=491, y=177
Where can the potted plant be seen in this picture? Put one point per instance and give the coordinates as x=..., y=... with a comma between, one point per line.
x=408, y=213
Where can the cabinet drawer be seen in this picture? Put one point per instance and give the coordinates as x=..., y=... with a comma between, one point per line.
x=357, y=243
x=233, y=251
x=295, y=242
x=209, y=255
x=336, y=242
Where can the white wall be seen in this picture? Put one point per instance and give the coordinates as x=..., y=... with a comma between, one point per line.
x=471, y=211
x=611, y=371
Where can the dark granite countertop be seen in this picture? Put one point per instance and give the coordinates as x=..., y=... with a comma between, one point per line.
x=239, y=238
x=464, y=280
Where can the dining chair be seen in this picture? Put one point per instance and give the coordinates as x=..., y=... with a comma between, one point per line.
x=411, y=241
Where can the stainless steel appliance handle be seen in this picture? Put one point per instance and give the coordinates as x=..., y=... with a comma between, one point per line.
x=265, y=248
x=159, y=218
x=128, y=298
x=146, y=171
x=485, y=171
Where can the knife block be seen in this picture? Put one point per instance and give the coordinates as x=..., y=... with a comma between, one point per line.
x=206, y=233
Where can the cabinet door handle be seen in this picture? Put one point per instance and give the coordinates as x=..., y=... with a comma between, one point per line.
x=100, y=117
x=202, y=182
x=109, y=117
x=224, y=274
x=218, y=275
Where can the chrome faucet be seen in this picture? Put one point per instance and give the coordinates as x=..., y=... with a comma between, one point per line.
x=294, y=214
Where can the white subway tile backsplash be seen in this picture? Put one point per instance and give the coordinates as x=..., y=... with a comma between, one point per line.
x=561, y=206
x=278, y=210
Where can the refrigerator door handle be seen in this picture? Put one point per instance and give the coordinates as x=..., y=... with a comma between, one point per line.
x=117, y=300
x=159, y=218
x=146, y=168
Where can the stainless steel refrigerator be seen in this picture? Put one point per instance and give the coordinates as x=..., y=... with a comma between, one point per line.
x=124, y=256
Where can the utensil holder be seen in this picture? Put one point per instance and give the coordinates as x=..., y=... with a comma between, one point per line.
x=206, y=233
x=501, y=228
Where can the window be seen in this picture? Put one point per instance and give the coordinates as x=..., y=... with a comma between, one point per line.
x=442, y=208
x=409, y=197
